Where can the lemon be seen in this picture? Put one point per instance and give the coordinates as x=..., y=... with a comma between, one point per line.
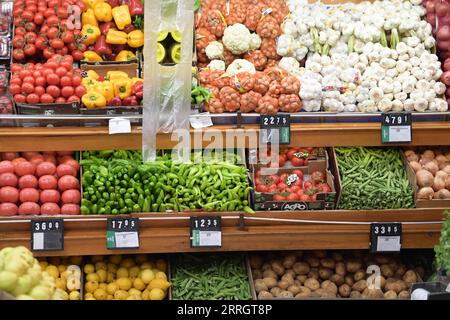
x=110, y=297
x=115, y=259
x=62, y=268
x=162, y=35
x=90, y=298
x=147, y=275
x=100, y=294
x=61, y=284
x=102, y=286
x=157, y=294
x=127, y=263
x=158, y=284
x=161, y=275
x=100, y=266
x=147, y=265
x=160, y=52
x=96, y=259
x=110, y=277
x=176, y=35
x=145, y=295
x=121, y=295
x=122, y=273
x=175, y=53
x=93, y=277
x=111, y=288
x=139, y=284
x=53, y=271
x=134, y=292
x=124, y=283
x=74, y=295
x=89, y=268
x=111, y=267
x=75, y=260
x=88, y=295
x=102, y=275
x=91, y=286
x=134, y=272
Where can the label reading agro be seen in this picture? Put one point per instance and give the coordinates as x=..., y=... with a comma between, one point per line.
x=122, y=233
x=396, y=127
x=206, y=231
x=47, y=235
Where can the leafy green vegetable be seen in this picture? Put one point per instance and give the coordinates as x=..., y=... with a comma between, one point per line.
x=442, y=250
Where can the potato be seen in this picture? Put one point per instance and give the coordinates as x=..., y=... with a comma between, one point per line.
x=270, y=282
x=337, y=279
x=289, y=261
x=359, y=285
x=344, y=290
x=396, y=285
x=373, y=281
x=327, y=263
x=403, y=285
x=355, y=295
x=301, y=268
x=313, y=262
x=266, y=266
x=349, y=280
x=380, y=259
x=320, y=253
x=359, y=275
x=401, y=270
x=298, y=283
x=353, y=265
x=294, y=289
x=275, y=291
x=410, y=277
x=325, y=273
x=386, y=271
x=330, y=286
x=391, y=294
x=302, y=278
x=372, y=294
x=288, y=278
x=336, y=256
x=303, y=295
x=260, y=285
x=340, y=269
x=283, y=284
x=325, y=293
x=290, y=272
x=257, y=274
x=285, y=294
x=278, y=268
x=394, y=266
x=269, y=274
x=404, y=295
x=312, y=284
x=265, y=295
x=315, y=294
x=256, y=261
x=314, y=273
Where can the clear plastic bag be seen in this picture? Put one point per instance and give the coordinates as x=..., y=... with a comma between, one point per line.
x=167, y=93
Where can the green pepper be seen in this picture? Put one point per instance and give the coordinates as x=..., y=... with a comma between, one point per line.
x=84, y=210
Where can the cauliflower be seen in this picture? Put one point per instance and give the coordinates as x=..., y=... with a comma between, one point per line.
x=255, y=41
x=217, y=65
x=239, y=66
x=236, y=38
x=214, y=50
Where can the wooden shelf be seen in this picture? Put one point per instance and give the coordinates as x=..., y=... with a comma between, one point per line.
x=86, y=235
x=305, y=135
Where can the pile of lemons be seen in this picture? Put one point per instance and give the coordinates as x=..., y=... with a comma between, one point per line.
x=125, y=278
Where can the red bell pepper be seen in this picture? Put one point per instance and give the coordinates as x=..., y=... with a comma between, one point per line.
x=116, y=102
x=130, y=101
x=136, y=8
x=138, y=89
x=129, y=28
x=113, y=3
x=104, y=27
x=101, y=47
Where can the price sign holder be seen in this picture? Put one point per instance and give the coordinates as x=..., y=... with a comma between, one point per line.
x=396, y=127
x=47, y=235
x=206, y=231
x=385, y=237
x=280, y=122
x=122, y=233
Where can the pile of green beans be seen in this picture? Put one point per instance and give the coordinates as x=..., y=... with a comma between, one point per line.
x=373, y=178
x=210, y=277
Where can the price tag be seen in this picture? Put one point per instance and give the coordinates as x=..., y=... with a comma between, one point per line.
x=202, y=120
x=47, y=235
x=270, y=124
x=119, y=125
x=385, y=237
x=396, y=127
x=122, y=233
x=206, y=231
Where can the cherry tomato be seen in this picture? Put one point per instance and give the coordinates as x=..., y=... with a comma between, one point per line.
x=18, y=54
x=20, y=98
x=46, y=98
x=30, y=37
x=304, y=197
x=80, y=91
x=297, y=162
x=33, y=98
x=27, y=15
x=279, y=197
x=15, y=88
x=52, y=33
x=73, y=99
x=77, y=55
x=18, y=41
x=38, y=18
x=63, y=51
x=17, y=10
x=27, y=87
x=49, y=12
x=62, y=12
x=32, y=8
x=52, y=21
x=53, y=79
x=20, y=31
x=54, y=91
x=48, y=52
x=44, y=30
x=66, y=81
x=30, y=26
x=57, y=44
x=67, y=36
x=53, y=3
x=76, y=80
x=29, y=50
x=40, y=43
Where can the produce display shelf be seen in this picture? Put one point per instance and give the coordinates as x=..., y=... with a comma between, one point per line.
x=169, y=233
x=302, y=135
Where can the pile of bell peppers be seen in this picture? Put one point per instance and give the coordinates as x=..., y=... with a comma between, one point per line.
x=112, y=29
x=120, y=186
x=115, y=89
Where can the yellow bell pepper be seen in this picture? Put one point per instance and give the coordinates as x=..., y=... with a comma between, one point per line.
x=122, y=88
x=91, y=3
x=92, y=56
x=91, y=74
x=106, y=88
x=136, y=39
x=116, y=37
x=103, y=12
x=89, y=84
x=93, y=99
x=116, y=75
x=122, y=16
x=134, y=80
x=88, y=17
x=90, y=33
x=125, y=55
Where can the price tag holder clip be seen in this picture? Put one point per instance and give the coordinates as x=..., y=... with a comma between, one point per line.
x=206, y=231
x=47, y=235
x=385, y=237
x=396, y=127
x=122, y=233
x=270, y=123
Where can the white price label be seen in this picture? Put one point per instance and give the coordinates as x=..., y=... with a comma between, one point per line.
x=38, y=241
x=210, y=238
x=399, y=133
x=202, y=120
x=127, y=240
x=119, y=125
x=388, y=243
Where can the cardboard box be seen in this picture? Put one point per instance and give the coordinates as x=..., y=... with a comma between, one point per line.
x=48, y=110
x=111, y=111
x=131, y=68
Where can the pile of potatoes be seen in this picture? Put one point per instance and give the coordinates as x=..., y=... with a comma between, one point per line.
x=322, y=274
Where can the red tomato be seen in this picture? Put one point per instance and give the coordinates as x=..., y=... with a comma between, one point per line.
x=323, y=187
x=40, y=81
x=73, y=99
x=28, y=79
x=292, y=197
x=15, y=89
x=38, y=18
x=18, y=54
x=299, y=173
x=80, y=91
x=30, y=26
x=25, y=73
x=67, y=91
x=261, y=188
x=290, y=152
x=49, y=12
x=305, y=198
x=39, y=90
x=33, y=98
x=16, y=81
x=52, y=33
x=30, y=37
x=67, y=64
x=27, y=15
x=281, y=186
x=52, y=21
x=20, y=31
x=60, y=100
x=77, y=55
x=46, y=72
x=76, y=80
x=52, y=64
x=40, y=43
x=317, y=176
x=281, y=160
x=61, y=71
x=18, y=41
x=279, y=197
x=54, y=91
x=46, y=98
x=297, y=162
x=28, y=88
x=66, y=81
x=48, y=52
x=20, y=98
x=57, y=44
x=67, y=36
x=295, y=189
x=53, y=79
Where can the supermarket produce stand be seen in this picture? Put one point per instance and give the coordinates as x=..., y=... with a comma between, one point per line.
x=165, y=233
